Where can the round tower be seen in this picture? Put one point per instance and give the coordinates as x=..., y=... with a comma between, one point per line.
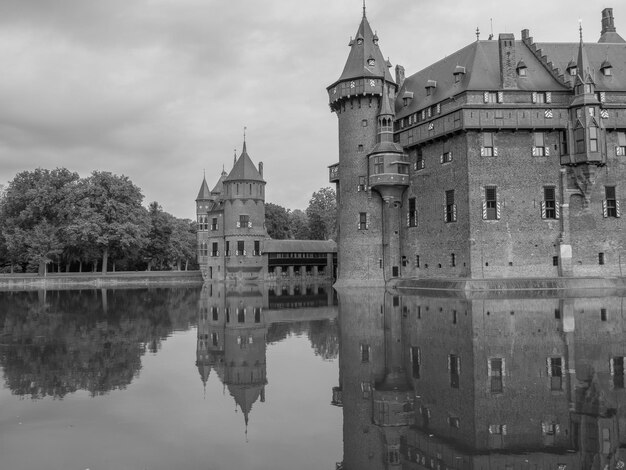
x=244, y=220
x=356, y=99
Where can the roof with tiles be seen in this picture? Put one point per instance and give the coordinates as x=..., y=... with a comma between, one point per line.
x=482, y=71
x=363, y=49
x=244, y=169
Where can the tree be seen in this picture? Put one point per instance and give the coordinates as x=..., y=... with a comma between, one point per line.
x=299, y=223
x=182, y=245
x=109, y=215
x=32, y=214
x=159, y=235
x=277, y=221
x=322, y=214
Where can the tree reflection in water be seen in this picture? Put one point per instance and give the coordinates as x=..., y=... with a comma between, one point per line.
x=57, y=342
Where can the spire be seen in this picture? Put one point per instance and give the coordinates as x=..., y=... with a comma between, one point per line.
x=204, y=193
x=234, y=157
x=243, y=168
x=583, y=62
x=385, y=107
x=365, y=59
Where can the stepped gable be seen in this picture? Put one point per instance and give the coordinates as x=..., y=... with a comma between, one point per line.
x=363, y=48
x=244, y=169
x=596, y=53
x=481, y=63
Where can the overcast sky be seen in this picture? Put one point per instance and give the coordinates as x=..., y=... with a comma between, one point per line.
x=159, y=90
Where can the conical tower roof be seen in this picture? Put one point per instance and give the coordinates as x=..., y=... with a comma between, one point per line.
x=219, y=186
x=244, y=169
x=245, y=396
x=365, y=58
x=204, y=194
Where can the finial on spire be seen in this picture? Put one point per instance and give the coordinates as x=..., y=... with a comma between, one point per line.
x=244, y=134
x=204, y=173
x=234, y=156
x=363, y=8
x=580, y=29
x=477, y=33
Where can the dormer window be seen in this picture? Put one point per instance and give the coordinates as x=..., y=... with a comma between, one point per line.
x=359, y=41
x=572, y=69
x=521, y=68
x=606, y=68
x=430, y=86
x=407, y=96
x=375, y=39
x=371, y=62
x=459, y=72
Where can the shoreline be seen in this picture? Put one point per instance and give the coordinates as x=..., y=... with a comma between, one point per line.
x=119, y=279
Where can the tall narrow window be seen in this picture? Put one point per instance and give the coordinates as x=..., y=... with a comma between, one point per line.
x=419, y=163
x=227, y=248
x=539, y=145
x=490, y=205
x=593, y=139
x=617, y=370
x=214, y=251
x=379, y=166
x=454, y=365
x=549, y=208
x=487, y=150
x=450, y=207
x=620, y=150
x=412, y=215
x=363, y=225
x=496, y=373
x=214, y=224
x=555, y=371
x=579, y=136
x=240, y=248
x=610, y=205
x=563, y=140
x=365, y=353
x=362, y=186
x=241, y=315
x=257, y=248
x=416, y=361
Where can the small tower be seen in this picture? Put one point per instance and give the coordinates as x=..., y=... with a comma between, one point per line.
x=356, y=98
x=244, y=220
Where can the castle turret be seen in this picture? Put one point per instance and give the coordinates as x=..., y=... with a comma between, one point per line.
x=356, y=97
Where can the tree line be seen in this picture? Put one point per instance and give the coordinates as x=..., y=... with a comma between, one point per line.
x=55, y=220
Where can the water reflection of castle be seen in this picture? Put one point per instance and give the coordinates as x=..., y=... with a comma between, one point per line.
x=235, y=324
x=446, y=383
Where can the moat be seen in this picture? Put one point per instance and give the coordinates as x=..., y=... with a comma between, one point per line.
x=280, y=376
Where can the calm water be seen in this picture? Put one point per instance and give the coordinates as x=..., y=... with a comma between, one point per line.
x=263, y=377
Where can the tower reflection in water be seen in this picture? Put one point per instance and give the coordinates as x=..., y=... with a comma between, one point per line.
x=451, y=383
x=235, y=323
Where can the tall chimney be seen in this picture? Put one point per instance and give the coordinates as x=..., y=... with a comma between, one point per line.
x=508, y=74
x=608, y=26
x=399, y=75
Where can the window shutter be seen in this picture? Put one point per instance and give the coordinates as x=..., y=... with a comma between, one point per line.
x=604, y=113
x=617, y=211
x=449, y=362
x=602, y=97
x=484, y=210
x=445, y=213
x=450, y=155
x=486, y=97
x=367, y=226
x=557, y=210
x=249, y=224
x=612, y=366
x=548, y=114
x=482, y=151
x=543, y=209
x=441, y=158
x=546, y=151
x=495, y=151
x=238, y=224
x=458, y=364
x=504, y=429
x=245, y=252
x=217, y=253
x=500, y=97
x=408, y=219
x=358, y=188
x=605, y=211
x=453, y=212
x=548, y=97
x=619, y=151
x=534, y=97
x=415, y=166
x=438, y=108
x=535, y=151
x=498, y=210
x=549, y=368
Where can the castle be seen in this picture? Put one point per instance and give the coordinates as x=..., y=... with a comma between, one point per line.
x=505, y=159
x=233, y=243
